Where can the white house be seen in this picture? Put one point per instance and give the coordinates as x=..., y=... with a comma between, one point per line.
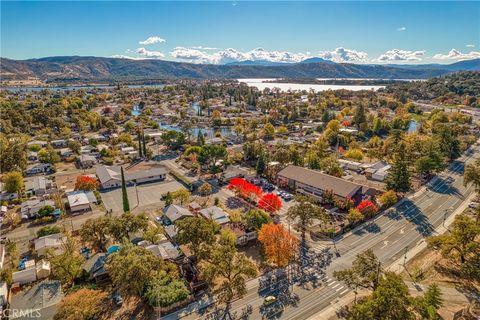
x=52, y=241
x=78, y=202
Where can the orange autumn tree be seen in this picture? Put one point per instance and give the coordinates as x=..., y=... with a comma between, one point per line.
x=279, y=245
x=270, y=203
x=86, y=183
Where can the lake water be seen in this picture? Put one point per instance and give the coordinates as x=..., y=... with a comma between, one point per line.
x=412, y=126
x=76, y=88
x=261, y=84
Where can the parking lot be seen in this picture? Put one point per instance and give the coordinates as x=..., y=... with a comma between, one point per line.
x=148, y=196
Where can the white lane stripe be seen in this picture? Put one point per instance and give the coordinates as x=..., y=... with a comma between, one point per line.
x=344, y=291
x=329, y=280
x=332, y=283
x=340, y=288
x=335, y=285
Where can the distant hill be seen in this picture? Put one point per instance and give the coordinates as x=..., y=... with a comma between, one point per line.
x=316, y=59
x=467, y=65
x=75, y=68
x=255, y=63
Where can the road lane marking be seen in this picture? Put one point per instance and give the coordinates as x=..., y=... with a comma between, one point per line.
x=340, y=288
x=346, y=290
x=335, y=285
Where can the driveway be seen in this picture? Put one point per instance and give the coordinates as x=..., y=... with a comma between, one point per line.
x=148, y=196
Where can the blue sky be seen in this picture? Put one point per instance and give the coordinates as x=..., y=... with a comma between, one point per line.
x=221, y=32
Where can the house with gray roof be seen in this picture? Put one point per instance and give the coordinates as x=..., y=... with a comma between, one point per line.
x=38, y=302
x=110, y=176
x=216, y=214
x=315, y=183
x=174, y=212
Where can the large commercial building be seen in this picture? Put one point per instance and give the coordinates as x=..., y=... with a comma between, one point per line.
x=111, y=177
x=315, y=183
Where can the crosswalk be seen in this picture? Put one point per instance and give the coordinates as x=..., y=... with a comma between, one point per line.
x=331, y=284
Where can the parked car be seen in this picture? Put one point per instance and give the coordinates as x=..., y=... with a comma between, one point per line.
x=269, y=300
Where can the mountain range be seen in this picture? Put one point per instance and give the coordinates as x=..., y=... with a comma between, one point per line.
x=75, y=68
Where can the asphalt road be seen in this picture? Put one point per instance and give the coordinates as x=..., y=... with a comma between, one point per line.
x=389, y=236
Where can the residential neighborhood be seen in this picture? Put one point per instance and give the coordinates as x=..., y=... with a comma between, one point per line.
x=208, y=199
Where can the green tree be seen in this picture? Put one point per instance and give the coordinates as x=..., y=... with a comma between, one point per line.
x=303, y=214
x=123, y=226
x=448, y=142
x=354, y=215
x=430, y=302
x=229, y=271
x=211, y=153
x=67, y=265
x=126, y=204
x=96, y=232
x=168, y=199
x=269, y=131
x=461, y=242
x=153, y=234
x=331, y=166
x=255, y=218
x=47, y=230
x=182, y=195
x=359, y=117
x=398, y=178
x=205, y=189
x=390, y=300
x=133, y=268
x=261, y=164
x=163, y=291
x=48, y=155
x=195, y=232
x=364, y=273
x=388, y=198
x=472, y=175
x=13, y=182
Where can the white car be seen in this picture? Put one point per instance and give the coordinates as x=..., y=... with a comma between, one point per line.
x=473, y=205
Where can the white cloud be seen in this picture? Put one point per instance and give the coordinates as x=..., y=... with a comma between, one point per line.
x=401, y=55
x=344, y=55
x=152, y=40
x=149, y=54
x=233, y=55
x=204, y=48
x=455, y=54
x=470, y=45
x=402, y=29
x=122, y=56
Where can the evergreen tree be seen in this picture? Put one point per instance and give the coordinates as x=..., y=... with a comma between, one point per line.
x=398, y=178
x=144, y=145
x=200, y=138
x=126, y=205
x=260, y=168
x=139, y=146
x=359, y=116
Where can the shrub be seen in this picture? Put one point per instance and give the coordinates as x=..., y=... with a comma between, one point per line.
x=388, y=199
x=45, y=231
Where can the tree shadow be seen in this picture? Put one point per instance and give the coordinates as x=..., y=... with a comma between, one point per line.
x=412, y=213
x=456, y=167
x=370, y=227
x=446, y=187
